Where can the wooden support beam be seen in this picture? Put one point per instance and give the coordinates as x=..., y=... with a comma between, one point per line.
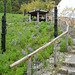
x=29, y=66
x=37, y=16
x=46, y=16
x=55, y=55
x=66, y=42
x=29, y=17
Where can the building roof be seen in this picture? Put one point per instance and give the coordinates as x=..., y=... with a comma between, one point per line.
x=34, y=12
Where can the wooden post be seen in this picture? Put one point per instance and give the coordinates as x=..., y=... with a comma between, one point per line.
x=66, y=42
x=46, y=17
x=37, y=16
x=72, y=21
x=55, y=55
x=59, y=23
x=29, y=66
x=24, y=12
x=65, y=24
x=66, y=36
x=29, y=17
x=51, y=19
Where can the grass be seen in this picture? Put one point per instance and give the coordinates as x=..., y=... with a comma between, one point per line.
x=23, y=38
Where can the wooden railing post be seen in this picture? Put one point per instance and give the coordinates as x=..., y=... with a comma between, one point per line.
x=66, y=42
x=65, y=24
x=29, y=66
x=55, y=55
x=66, y=36
x=59, y=24
x=51, y=19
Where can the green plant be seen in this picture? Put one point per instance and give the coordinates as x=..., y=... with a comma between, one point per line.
x=63, y=47
x=22, y=36
x=45, y=63
x=8, y=6
x=1, y=7
x=39, y=57
x=69, y=41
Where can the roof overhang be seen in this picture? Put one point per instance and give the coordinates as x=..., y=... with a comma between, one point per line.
x=34, y=12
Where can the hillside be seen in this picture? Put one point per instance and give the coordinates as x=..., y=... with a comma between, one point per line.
x=22, y=39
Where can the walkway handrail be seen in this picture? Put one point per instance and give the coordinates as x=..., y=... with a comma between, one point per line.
x=39, y=49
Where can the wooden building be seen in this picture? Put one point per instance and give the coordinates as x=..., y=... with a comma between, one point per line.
x=38, y=15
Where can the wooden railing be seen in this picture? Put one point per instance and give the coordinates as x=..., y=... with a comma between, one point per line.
x=28, y=57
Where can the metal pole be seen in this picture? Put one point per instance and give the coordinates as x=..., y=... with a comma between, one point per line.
x=55, y=34
x=55, y=24
x=3, y=29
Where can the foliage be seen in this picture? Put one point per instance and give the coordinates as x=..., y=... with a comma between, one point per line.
x=63, y=43
x=50, y=5
x=9, y=8
x=69, y=41
x=56, y=1
x=17, y=5
x=63, y=47
x=23, y=38
x=37, y=5
x=1, y=7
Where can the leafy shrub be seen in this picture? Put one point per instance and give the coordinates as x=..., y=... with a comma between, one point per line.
x=48, y=5
x=49, y=19
x=69, y=41
x=19, y=71
x=63, y=47
x=45, y=54
x=8, y=6
x=50, y=49
x=32, y=23
x=45, y=63
x=22, y=36
x=1, y=7
x=39, y=57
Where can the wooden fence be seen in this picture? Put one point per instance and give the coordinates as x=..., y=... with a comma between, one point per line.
x=28, y=57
